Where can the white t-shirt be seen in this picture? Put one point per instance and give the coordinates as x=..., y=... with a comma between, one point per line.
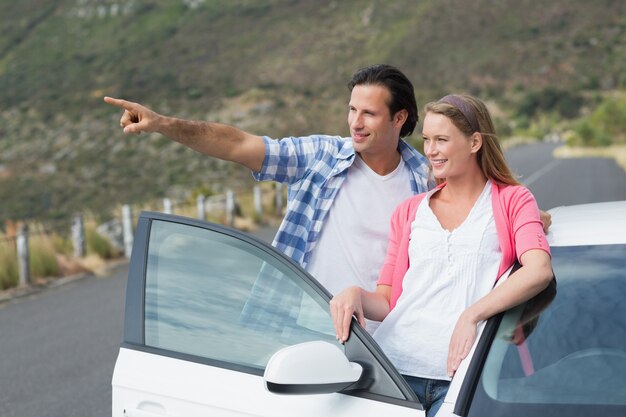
x=449, y=271
x=353, y=242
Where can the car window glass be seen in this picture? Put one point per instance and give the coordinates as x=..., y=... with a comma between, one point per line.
x=215, y=296
x=572, y=354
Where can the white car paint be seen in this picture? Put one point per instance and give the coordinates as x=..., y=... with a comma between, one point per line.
x=150, y=385
x=588, y=224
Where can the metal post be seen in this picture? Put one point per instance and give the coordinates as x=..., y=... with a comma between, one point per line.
x=167, y=206
x=230, y=208
x=201, y=208
x=279, y=198
x=258, y=201
x=78, y=236
x=23, y=255
x=127, y=227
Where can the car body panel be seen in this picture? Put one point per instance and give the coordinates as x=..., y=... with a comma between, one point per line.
x=163, y=371
x=588, y=224
x=174, y=387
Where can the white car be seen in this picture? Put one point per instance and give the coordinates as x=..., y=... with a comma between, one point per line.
x=218, y=323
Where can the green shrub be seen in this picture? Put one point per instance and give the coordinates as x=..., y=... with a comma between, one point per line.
x=604, y=126
x=537, y=127
x=610, y=118
x=43, y=260
x=585, y=134
x=98, y=244
x=204, y=190
x=9, y=274
x=564, y=102
x=581, y=134
x=61, y=244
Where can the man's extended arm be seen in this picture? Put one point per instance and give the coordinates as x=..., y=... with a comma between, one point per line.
x=213, y=139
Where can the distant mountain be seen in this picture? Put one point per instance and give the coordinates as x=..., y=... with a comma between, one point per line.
x=273, y=67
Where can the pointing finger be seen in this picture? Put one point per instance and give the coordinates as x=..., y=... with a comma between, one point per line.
x=127, y=105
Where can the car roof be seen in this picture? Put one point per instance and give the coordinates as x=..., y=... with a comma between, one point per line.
x=588, y=224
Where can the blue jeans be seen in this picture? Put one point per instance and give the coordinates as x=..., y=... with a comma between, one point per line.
x=430, y=392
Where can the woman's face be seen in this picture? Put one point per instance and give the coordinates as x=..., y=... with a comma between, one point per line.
x=449, y=151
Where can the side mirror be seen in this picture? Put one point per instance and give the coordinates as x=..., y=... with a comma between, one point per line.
x=310, y=368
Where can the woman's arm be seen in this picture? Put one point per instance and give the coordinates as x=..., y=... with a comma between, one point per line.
x=528, y=281
x=355, y=301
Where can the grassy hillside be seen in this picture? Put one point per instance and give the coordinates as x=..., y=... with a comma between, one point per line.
x=272, y=67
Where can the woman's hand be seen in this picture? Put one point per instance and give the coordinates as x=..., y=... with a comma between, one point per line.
x=342, y=307
x=461, y=342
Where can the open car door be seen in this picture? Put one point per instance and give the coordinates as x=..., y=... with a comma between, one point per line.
x=206, y=309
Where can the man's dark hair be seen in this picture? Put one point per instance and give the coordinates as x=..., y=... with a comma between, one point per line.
x=401, y=89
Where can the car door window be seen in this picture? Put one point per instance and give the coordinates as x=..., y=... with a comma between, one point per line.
x=204, y=293
x=215, y=296
x=570, y=359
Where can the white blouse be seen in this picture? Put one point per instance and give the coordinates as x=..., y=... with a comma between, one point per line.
x=449, y=271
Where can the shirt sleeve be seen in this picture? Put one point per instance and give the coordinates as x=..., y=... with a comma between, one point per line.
x=527, y=225
x=287, y=160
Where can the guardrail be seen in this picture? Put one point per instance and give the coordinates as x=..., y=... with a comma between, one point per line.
x=120, y=232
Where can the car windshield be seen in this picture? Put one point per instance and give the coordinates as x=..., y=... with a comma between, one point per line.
x=563, y=355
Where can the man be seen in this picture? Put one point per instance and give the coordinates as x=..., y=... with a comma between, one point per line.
x=342, y=191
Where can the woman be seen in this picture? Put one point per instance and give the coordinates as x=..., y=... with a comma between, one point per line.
x=447, y=248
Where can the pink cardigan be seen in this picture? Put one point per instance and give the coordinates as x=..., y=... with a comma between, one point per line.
x=517, y=223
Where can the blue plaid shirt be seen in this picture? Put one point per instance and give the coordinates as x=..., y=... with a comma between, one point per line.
x=315, y=167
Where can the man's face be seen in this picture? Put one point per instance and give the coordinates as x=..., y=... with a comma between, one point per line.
x=373, y=129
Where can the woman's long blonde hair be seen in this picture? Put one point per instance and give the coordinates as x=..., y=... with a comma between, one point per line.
x=490, y=157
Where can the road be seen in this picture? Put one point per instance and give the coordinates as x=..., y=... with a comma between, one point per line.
x=58, y=346
x=556, y=182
